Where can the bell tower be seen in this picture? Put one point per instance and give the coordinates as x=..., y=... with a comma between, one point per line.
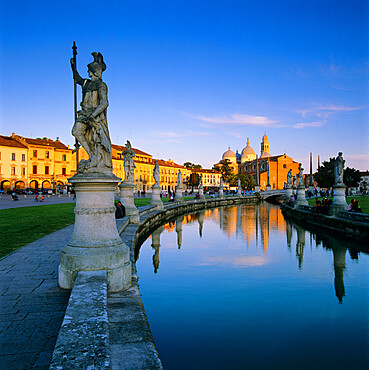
x=265, y=144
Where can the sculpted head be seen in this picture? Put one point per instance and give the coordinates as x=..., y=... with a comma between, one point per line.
x=97, y=67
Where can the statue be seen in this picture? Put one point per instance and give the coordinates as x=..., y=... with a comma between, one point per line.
x=338, y=169
x=239, y=184
x=200, y=182
x=221, y=182
x=180, y=184
x=289, y=178
x=91, y=125
x=156, y=173
x=294, y=182
x=301, y=174
x=129, y=164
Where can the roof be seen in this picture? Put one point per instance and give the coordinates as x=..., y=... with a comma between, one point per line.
x=121, y=148
x=9, y=141
x=204, y=170
x=46, y=142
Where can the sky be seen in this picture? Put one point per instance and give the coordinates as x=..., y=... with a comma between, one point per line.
x=187, y=79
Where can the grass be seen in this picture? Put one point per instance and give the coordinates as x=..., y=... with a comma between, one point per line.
x=21, y=226
x=363, y=202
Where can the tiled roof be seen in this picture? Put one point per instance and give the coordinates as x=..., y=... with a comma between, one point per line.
x=204, y=170
x=161, y=162
x=9, y=141
x=120, y=148
x=48, y=142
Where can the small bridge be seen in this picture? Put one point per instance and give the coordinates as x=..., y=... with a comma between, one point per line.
x=273, y=194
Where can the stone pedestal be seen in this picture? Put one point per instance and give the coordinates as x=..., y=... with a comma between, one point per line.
x=289, y=192
x=155, y=200
x=257, y=188
x=127, y=200
x=239, y=194
x=221, y=193
x=201, y=193
x=339, y=200
x=95, y=243
x=301, y=199
x=179, y=195
x=268, y=188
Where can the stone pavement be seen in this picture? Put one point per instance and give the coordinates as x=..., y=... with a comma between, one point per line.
x=32, y=306
x=7, y=202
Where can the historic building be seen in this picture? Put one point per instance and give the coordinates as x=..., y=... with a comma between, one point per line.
x=210, y=177
x=278, y=165
x=33, y=163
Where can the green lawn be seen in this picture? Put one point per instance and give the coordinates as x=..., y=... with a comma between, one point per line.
x=363, y=202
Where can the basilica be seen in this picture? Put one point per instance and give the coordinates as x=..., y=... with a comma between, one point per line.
x=246, y=162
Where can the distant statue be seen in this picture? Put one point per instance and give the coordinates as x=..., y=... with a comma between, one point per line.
x=200, y=182
x=301, y=174
x=239, y=184
x=156, y=173
x=338, y=169
x=91, y=127
x=180, y=183
x=294, y=182
x=129, y=164
x=221, y=183
x=289, y=178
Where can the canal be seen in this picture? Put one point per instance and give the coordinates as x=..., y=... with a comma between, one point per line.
x=240, y=287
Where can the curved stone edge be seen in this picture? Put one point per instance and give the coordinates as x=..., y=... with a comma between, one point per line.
x=346, y=224
x=83, y=340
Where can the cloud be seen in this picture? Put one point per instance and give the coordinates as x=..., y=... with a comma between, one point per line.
x=235, y=261
x=308, y=124
x=325, y=110
x=239, y=120
x=331, y=70
x=172, y=136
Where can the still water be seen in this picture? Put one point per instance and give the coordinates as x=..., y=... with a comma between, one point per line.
x=240, y=287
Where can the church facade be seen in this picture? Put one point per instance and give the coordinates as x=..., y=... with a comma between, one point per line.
x=246, y=162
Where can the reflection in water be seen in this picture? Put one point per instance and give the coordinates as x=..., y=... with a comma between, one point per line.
x=246, y=277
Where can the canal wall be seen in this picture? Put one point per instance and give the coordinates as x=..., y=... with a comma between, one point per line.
x=111, y=330
x=353, y=226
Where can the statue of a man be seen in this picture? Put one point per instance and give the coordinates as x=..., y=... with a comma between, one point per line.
x=180, y=183
x=156, y=173
x=289, y=178
x=301, y=174
x=239, y=184
x=200, y=182
x=129, y=164
x=338, y=169
x=221, y=183
x=91, y=127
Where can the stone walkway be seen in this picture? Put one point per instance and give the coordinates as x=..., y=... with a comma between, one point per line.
x=32, y=306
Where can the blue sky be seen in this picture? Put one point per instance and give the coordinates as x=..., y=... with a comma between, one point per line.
x=187, y=79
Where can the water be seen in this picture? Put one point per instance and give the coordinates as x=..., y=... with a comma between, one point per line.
x=239, y=287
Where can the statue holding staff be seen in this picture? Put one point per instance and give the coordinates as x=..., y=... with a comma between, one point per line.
x=129, y=164
x=338, y=169
x=289, y=178
x=91, y=126
x=156, y=173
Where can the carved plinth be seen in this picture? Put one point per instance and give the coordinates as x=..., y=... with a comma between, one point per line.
x=201, y=193
x=221, y=193
x=239, y=193
x=155, y=200
x=289, y=192
x=95, y=243
x=127, y=200
x=179, y=195
x=339, y=200
x=301, y=199
x=268, y=188
x=257, y=188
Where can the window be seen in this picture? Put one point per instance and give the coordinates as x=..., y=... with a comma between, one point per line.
x=35, y=153
x=13, y=156
x=13, y=171
x=284, y=166
x=46, y=170
x=23, y=157
x=34, y=169
x=23, y=171
x=64, y=171
x=64, y=158
x=47, y=155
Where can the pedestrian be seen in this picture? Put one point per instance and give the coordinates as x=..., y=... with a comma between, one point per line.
x=36, y=197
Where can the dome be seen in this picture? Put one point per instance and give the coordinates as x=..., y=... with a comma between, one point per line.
x=248, y=154
x=229, y=154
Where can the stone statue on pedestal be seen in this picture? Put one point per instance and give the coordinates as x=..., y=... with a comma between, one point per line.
x=156, y=173
x=129, y=164
x=338, y=169
x=221, y=183
x=301, y=175
x=289, y=179
x=239, y=184
x=91, y=126
x=200, y=182
x=180, y=182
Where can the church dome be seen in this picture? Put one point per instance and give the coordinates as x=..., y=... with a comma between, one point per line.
x=229, y=154
x=248, y=154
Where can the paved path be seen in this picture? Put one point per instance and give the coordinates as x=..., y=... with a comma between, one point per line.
x=32, y=306
x=7, y=202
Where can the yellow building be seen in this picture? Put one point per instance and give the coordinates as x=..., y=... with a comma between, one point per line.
x=210, y=177
x=39, y=163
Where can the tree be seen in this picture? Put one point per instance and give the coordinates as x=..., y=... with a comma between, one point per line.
x=247, y=181
x=325, y=175
x=191, y=165
x=193, y=180
x=224, y=168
